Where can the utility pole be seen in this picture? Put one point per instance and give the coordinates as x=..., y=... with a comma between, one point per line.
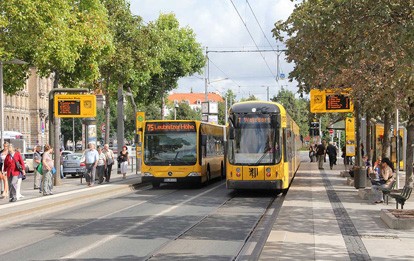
x=206, y=76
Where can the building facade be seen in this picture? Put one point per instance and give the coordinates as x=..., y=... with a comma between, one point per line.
x=27, y=110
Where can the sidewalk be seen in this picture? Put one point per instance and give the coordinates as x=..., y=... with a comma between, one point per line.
x=70, y=193
x=323, y=218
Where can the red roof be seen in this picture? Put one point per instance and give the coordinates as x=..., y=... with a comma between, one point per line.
x=193, y=97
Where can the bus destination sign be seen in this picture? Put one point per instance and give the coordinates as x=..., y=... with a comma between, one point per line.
x=337, y=102
x=170, y=126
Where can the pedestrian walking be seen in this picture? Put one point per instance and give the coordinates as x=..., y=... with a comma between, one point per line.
x=110, y=159
x=123, y=161
x=321, y=152
x=312, y=153
x=3, y=172
x=14, y=166
x=332, y=154
x=90, y=158
x=48, y=169
x=101, y=165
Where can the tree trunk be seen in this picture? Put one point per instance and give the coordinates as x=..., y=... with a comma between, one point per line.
x=410, y=143
x=368, y=149
x=162, y=107
x=107, y=112
x=386, y=143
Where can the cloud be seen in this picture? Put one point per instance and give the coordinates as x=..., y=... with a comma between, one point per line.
x=218, y=27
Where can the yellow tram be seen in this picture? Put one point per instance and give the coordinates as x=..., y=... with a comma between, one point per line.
x=263, y=143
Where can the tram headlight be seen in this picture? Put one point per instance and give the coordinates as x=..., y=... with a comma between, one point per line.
x=147, y=174
x=194, y=174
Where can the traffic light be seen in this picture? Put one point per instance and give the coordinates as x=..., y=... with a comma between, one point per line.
x=314, y=128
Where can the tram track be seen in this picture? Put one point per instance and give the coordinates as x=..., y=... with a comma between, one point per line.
x=263, y=222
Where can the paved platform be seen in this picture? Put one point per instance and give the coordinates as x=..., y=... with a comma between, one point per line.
x=323, y=218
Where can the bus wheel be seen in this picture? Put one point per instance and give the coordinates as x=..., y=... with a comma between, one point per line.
x=208, y=176
x=156, y=184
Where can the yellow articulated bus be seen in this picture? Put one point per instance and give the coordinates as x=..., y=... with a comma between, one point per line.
x=182, y=151
x=263, y=143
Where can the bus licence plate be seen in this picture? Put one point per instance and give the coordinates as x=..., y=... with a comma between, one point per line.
x=170, y=180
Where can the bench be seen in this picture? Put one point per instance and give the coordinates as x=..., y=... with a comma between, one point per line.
x=387, y=190
x=401, y=198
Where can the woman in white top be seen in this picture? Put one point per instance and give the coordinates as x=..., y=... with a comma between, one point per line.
x=3, y=174
x=101, y=166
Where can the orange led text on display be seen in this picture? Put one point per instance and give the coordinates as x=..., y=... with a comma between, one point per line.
x=170, y=127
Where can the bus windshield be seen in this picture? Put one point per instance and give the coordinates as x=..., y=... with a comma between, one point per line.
x=256, y=140
x=170, y=148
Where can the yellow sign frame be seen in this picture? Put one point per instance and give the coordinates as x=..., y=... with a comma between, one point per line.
x=318, y=100
x=84, y=103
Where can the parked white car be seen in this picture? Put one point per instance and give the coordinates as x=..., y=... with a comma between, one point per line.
x=28, y=161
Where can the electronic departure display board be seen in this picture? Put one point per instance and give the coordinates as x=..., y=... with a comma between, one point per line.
x=337, y=102
x=75, y=106
x=68, y=107
x=323, y=101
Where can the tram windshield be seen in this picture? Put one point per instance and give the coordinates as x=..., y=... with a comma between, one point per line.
x=170, y=148
x=256, y=140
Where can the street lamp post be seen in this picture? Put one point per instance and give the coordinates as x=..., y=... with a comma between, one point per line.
x=14, y=61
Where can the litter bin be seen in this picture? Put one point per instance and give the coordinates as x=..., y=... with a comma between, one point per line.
x=360, y=177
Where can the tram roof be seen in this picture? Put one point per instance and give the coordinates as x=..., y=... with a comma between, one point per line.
x=259, y=106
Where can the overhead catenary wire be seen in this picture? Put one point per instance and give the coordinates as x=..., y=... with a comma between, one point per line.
x=251, y=36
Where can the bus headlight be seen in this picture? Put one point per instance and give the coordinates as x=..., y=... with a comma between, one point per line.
x=194, y=174
x=147, y=174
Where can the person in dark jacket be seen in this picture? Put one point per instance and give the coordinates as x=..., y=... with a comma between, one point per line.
x=331, y=151
x=321, y=152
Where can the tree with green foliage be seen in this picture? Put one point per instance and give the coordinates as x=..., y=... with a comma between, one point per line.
x=179, y=55
x=59, y=37
x=298, y=109
x=250, y=98
x=364, y=46
x=184, y=112
x=230, y=97
x=134, y=58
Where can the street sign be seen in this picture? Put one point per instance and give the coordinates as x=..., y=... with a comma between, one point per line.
x=331, y=131
x=75, y=106
x=103, y=127
x=139, y=121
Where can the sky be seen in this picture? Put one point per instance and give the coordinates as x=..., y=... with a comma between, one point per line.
x=218, y=26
